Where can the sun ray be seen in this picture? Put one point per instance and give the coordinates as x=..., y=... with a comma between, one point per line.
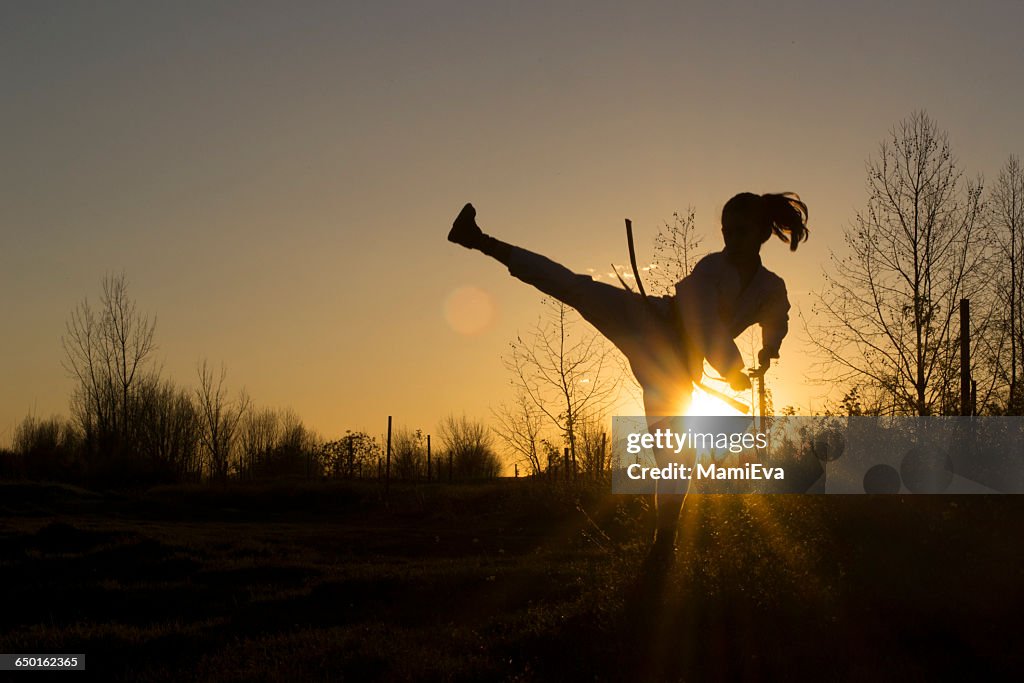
x=703, y=404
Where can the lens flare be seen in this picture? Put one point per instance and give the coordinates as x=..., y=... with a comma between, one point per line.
x=704, y=404
x=469, y=310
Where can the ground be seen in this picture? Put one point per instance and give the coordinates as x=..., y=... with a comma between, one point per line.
x=508, y=580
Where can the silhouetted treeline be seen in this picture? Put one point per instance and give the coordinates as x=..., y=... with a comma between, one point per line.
x=130, y=426
x=167, y=444
x=166, y=447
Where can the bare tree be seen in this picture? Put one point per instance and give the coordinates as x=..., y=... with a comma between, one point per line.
x=1007, y=205
x=408, y=453
x=167, y=428
x=107, y=351
x=565, y=372
x=259, y=435
x=888, y=313
x=275, y=443
x=592, y=444
x=470, y=446
x=47, y=449
x=676, y=251
x=298, y=451
x=220, y=418
x=129, y=336
x=520, y=427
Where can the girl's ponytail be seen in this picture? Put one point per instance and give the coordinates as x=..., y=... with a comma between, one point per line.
x=787, y=217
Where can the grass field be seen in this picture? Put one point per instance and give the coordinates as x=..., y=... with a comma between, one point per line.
x=509, y=580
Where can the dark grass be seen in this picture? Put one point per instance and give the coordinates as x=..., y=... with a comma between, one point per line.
x=510, y=580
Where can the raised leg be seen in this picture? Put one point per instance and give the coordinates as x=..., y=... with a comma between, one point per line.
x=623, y=317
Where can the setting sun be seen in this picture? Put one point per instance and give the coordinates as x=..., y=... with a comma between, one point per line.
x=704, y=404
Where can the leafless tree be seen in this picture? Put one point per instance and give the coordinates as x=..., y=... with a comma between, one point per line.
x=1007, y=207
x=275, y=443
x=470, y=446
x=565, y=371
x=167, y=428
x=676, y=251
x=592, y=444
x=408, y=453
x=220, y=418
x=520, y=427
x=47, y=448
x=299, y=446
x=258, y=437
x=888, y=313
x=107, y=350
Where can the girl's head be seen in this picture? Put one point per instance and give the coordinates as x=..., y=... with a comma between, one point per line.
x=749, y=220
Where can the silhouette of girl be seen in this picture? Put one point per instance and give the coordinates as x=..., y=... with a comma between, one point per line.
x=666, y=338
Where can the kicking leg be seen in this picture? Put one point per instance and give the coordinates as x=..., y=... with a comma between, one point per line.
x=619, y=315
x=466, y=232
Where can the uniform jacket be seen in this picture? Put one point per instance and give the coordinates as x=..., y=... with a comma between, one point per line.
x=713, y=310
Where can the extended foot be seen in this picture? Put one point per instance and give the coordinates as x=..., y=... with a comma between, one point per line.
x=464, y=230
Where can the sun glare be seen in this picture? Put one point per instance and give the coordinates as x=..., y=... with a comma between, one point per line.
x=704, y=404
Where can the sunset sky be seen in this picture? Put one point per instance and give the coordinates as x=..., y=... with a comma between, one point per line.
x=277, y=179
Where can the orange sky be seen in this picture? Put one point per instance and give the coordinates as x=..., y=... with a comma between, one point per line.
x=277, y=179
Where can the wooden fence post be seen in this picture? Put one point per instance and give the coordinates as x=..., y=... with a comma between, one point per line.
x=604, y=455
x=387, y=471
x=965, y=358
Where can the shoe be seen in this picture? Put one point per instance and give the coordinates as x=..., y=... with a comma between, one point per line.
x=464, y=230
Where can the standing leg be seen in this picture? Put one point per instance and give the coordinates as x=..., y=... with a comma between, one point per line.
x=661, y=405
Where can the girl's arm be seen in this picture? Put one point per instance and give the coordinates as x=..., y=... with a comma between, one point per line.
x=774, y=320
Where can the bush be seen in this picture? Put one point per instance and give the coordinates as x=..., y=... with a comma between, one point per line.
x=48, y=449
